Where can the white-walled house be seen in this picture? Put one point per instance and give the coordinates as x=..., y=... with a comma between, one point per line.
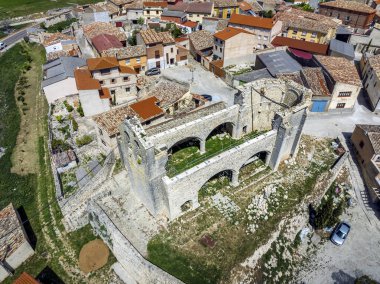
x=59, y=81
x=370, y=68
x=342, y=80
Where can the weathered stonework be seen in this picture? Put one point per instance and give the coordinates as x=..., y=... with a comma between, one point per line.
x=261, y=105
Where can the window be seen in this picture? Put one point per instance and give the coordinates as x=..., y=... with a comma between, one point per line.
x=259, y=46
x=126, y=79
x=347, y=18
x=338, y=16
x=314, y=34
x=330, y=14
x=304, y=33
x=127, y=61
x=157, y=54
x=265, y=38
x=259, y=37
x=344, y=94
x=148, y=12
x=100, y=131
x=221, y=50
x=340, y=105
x=295, y=31
x=105, y=71
x=374, y=85
x=113, y=81
x=171, y=50
x=138, y=59
x=104, y=143
x=112, y=92
x=361, y=144
x=128, y=89
x=157, y=12
x=101, y=82
x=245, y=129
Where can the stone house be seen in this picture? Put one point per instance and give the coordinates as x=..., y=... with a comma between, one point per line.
x=95, y=13
x=366, y=141
x=342, y=80
x=178, y=17
x=59, y=44
x=307, y=48
x=195, y=11
x=261, y=27
x=298, y=24
x=370, y=69
x=58, y=81
x=367, y=43
x=131, y=56
x=120, y=80
x=161, y=50
x=153, y=9
x=352, y=13
x=233, y=46
x=251, y=9
x=201, y=45
x=14, y=243
x=225, y=8
x=94, y=99
x=104, y=42
x=92, y=30
x=134, y=11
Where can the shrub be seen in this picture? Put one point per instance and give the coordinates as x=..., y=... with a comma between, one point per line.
x=80, y=110
x=74, y=124
x=84, y=140
x=68, y=106
x=58, y=144
x=59, y=118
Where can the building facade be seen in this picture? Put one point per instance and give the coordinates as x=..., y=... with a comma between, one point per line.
x=370, y=68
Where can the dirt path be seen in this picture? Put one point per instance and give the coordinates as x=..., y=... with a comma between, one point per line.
x=94, y=255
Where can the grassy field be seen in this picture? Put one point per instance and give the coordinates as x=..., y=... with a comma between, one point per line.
x=16, y=8
x=35, y=193
x=182, y=255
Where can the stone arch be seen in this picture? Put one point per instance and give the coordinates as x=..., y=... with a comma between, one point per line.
x=184, y=143
x=187, y=206
x=292, y=97
x=231, y=174
x=264, y=155
x=225, y=127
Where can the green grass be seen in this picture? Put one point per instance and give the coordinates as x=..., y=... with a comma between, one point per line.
x=189, y=157
x=16, y=8
x=59, y=27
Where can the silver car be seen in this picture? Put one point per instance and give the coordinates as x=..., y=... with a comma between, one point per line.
x=340, y=233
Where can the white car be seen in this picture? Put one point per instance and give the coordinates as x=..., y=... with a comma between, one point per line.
x=2, y=45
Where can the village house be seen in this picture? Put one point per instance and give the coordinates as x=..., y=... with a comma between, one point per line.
x=104, y=42
x=160, y=47
x=195, y=11
x=342, y=80
x=300, y=48
x=134, y=11
x=100, y=28
x=367, y=43
x=214, y=25
x=298, y=24
x=95, y=13
x=58, y=44
x=261, y=27
x=153, y=9
x=131, y=56
x=370, y=69
x=366, y=141
x=119, y=5
x=201, y=45
x=15, y=247
x=58, y=81
x=93, y=98
x=251, y=9
x=233, y=46
x=352, y=13
x=178, y=17
x=120, y=80
x=225, y=8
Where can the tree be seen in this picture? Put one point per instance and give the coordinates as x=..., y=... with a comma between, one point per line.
x=267, y=14
x=132, y=39
x=141, y=21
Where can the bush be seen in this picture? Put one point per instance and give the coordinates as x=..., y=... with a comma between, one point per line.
x=68, y=106
x=74, y=124
x=80, y=110
x=59, y=118
x=59, y=27
x=84, y=140
x=59, y=145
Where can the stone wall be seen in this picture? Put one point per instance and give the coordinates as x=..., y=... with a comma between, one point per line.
x=74, y=208
x=137, y=269
x=185, y=186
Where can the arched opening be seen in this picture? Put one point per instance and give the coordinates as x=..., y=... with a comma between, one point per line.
x=215, y=183
x=222, y=129
x=254, y=164
x=180, y=154
x=187, y=206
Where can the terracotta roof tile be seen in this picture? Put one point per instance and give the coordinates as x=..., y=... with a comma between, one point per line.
x=49, y=39
x=374, y=61
x=25, y=278
x=315, y=80
x=102, y=63
x=127, y=70
x=125, y=52
x=300, y=44
x=225, y=3
x=230, y=32
x=84, y=80
x=104, y=93
x=202, y=39
x=147, y=109
x=161, y=4
x=112, y=119
x=151, y=36
x=104, y=42
x=97, y=28
x=190, y=24
x=341, y=69
x=168, y=92
x=193, y=7
x=350, y=6
x=251, y=21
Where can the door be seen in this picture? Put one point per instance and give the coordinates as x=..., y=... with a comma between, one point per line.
x=319, y=106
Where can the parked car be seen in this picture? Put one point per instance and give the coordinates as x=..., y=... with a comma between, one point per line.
x=340, y=233
x=207, y=97
x=2, y=45
x=153, y=71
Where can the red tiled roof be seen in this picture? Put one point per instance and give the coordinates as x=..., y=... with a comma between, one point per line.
x=84, y=80
x=127, y=70
x=105, y=41
x=300, y=44
x=251, y=21
x=104, y=93
x=230, y=32
x=25, y=278
x=349, y=6
x=147, y=109
x=190, y=24
x=102, y=63
x=155, y=4
x=245, y=6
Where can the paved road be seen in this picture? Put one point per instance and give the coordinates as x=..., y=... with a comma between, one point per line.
x=16, y=37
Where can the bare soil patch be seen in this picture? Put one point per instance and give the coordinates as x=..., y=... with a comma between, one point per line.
x=93, y=255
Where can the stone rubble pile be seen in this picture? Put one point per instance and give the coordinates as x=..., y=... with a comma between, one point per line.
x=225, y=205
